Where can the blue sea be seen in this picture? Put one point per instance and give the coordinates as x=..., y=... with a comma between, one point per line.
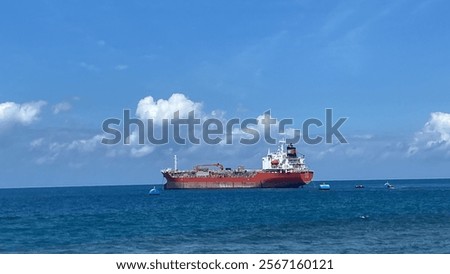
x=412, y=218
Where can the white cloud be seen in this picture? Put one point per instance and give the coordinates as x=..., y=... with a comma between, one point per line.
x=61, y=107
x=121, y=67
x=24, y=114
x=101, y=43
x=435, y=135
x=86, y=145
x=89, y=67
x=355, y=152
x=363, y=136
x=37, y=143
x=327, y=150
x=141, y=152
x=53, y=150
x=261, y=122
x=148, y=108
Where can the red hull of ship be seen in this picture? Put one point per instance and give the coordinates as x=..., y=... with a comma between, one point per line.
x=261, y=179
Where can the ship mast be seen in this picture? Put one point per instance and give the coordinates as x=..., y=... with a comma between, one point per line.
x=282, y=143
x=175, y=162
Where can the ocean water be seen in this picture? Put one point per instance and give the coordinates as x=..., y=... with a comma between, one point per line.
x=412, y=218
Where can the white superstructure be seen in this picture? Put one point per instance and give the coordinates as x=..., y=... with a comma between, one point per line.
x=284, y=160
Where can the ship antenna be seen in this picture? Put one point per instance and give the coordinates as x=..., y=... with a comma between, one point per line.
x=175, y=162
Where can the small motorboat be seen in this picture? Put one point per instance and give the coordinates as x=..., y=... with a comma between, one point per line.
x=359, y=186
x=324, y=186
x=389, y=186
x=154, y=191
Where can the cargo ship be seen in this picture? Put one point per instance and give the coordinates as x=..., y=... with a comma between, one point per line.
x=280, y=169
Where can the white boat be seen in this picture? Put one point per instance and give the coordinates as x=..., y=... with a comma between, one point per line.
x=154, y=191
x=324, y=186
x=389, y=186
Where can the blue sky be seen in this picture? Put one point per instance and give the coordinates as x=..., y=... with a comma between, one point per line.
x=68, y=65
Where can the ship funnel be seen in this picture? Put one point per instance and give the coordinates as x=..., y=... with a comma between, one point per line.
x=291, y=151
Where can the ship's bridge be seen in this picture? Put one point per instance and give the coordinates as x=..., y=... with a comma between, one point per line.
x=284, y=159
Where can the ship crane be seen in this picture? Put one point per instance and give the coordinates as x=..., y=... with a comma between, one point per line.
x=198, y=167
